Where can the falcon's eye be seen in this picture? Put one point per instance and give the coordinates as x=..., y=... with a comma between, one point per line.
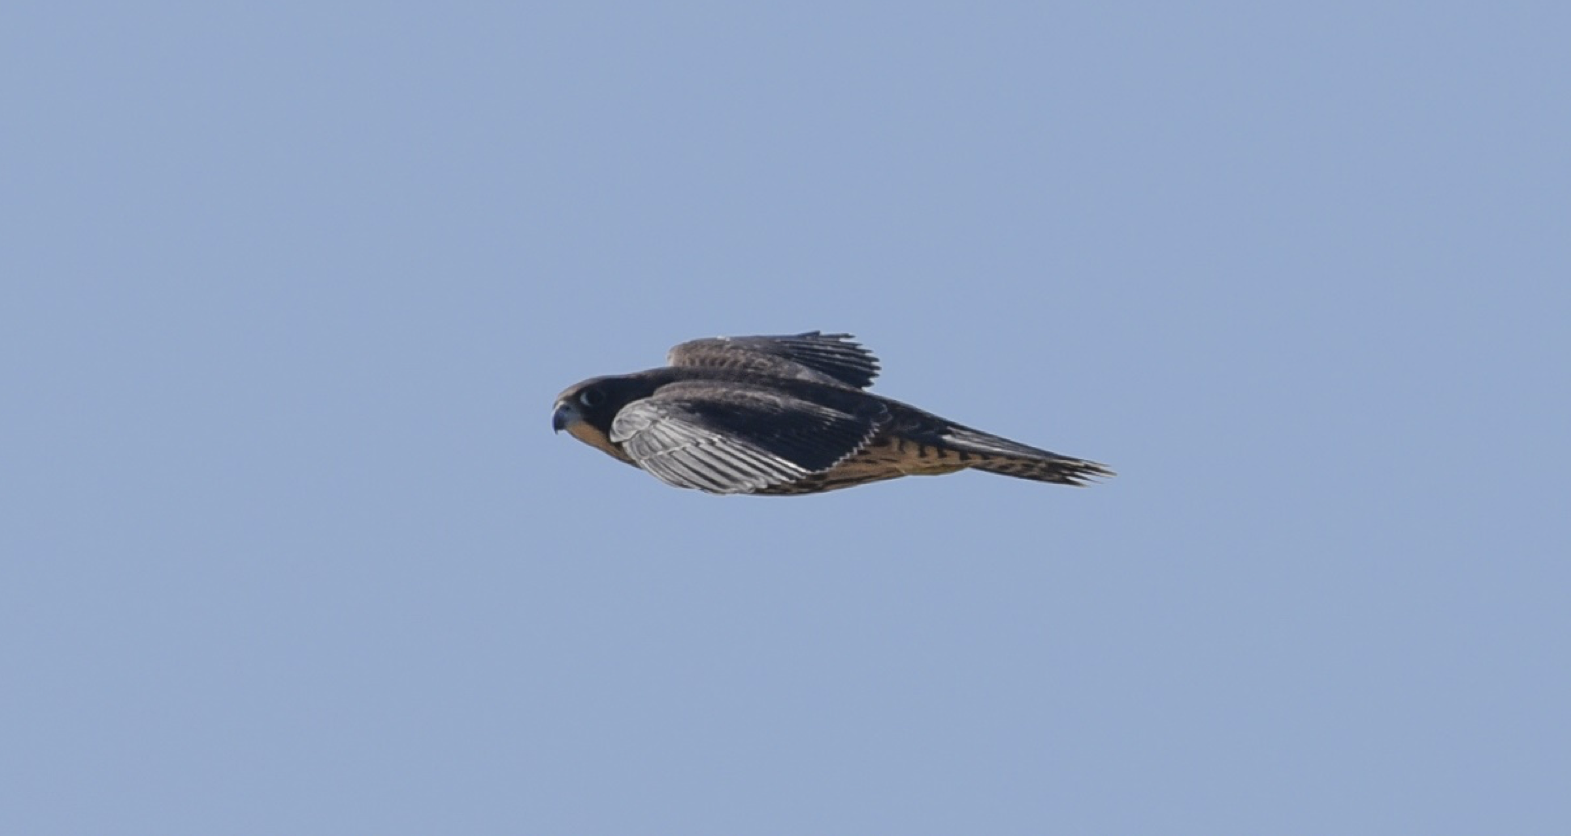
x=590, y=397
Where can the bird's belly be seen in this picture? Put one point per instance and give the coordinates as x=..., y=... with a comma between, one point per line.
x=884, y=458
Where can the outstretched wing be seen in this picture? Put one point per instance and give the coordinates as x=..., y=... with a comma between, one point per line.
x=822, y=358
x=735, y=438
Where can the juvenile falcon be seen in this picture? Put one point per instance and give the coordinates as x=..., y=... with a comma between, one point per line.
x=784, y=415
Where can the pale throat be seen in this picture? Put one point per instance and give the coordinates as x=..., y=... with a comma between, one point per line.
x=582, y=431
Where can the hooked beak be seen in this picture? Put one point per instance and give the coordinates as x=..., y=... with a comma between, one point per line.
x=564, y=415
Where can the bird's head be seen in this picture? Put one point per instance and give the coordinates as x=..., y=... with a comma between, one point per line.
x=587, y=409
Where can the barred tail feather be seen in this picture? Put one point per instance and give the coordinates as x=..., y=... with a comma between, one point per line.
x=1061, y=470
x=1011, y=458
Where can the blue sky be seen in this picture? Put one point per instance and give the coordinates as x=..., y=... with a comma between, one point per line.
x=289, y=546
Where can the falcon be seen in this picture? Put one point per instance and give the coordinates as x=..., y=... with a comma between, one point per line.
x=784, y=415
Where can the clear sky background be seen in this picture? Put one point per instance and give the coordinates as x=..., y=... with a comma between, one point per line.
x=289, y=546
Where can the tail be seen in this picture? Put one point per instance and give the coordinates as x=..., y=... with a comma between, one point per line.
x=1011, y=458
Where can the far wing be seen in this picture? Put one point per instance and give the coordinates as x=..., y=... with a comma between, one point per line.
x=823, y=358
x=727, y=438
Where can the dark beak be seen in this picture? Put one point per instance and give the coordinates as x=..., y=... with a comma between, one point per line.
x=561, y=417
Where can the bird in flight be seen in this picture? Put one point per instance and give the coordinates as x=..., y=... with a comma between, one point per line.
x=784, y=415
